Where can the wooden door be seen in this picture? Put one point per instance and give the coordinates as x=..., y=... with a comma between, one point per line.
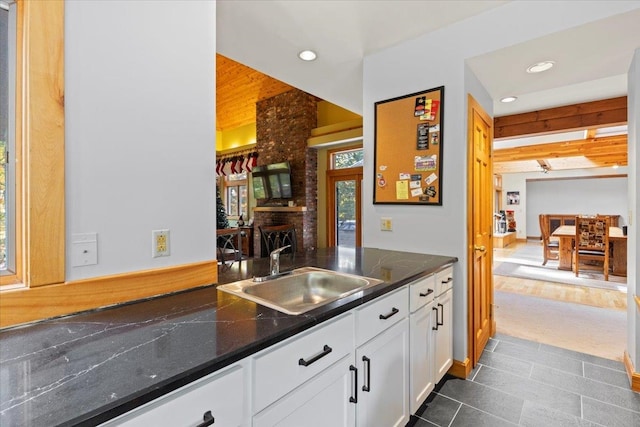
x=481, y=325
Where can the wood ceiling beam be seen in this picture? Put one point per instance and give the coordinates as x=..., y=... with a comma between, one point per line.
x=607, y=112
x=611, y=145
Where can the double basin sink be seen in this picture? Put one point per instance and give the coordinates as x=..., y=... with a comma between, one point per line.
x=300, y=290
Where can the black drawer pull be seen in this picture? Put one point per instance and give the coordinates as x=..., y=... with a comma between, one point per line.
x=441, y=315
x=426, y=294
x=207, y=420
x=367, y=364
x=354, y=398
x=393, y=311
x=435, y=328
x=448, y=280
x=326, y=350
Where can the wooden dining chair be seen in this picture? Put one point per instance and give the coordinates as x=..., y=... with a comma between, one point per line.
x=550, y=246
x=277, y=236
x=592, y=242
x=228, y=245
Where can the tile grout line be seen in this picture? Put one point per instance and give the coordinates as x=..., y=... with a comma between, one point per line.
x=588, y=397
x=478, y=409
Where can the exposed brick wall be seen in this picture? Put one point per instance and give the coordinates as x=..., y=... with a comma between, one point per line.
x=283, y=125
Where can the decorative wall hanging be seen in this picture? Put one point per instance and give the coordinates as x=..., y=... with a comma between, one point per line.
x=236, y=164
x=408, y=149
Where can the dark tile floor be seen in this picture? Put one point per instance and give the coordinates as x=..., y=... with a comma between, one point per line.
x=521, y=382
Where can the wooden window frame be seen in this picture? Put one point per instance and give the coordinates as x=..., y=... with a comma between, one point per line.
x=39, y=145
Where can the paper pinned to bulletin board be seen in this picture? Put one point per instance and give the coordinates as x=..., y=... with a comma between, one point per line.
x=408, y=149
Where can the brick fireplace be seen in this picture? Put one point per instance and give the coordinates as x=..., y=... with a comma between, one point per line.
x=283, y=125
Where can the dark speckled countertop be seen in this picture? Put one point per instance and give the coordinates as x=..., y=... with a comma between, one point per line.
x=90, y=367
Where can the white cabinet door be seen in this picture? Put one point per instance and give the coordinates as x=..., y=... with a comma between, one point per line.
x=443, y=334
x=281, y=368
x=421, y=377
x=383, y=383
x=326, y=400
x=218, y=399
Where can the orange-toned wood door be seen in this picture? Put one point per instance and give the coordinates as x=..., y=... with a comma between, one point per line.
x=344, y=208
x=481, y=325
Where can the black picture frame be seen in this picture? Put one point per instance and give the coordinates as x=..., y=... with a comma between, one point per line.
x=408, y=140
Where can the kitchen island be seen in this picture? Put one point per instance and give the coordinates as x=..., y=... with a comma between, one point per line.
x=91, y=367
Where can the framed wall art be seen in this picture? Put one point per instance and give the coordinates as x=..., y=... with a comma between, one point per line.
x=408, y=149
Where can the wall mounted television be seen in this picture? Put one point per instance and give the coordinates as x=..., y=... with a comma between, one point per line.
x=272, y=181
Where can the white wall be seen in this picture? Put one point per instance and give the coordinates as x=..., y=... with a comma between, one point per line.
x=558, y=194
x=633, y=252
x=140, y=131
x=439, y=59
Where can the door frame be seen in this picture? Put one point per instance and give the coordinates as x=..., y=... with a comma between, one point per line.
x=346, y=174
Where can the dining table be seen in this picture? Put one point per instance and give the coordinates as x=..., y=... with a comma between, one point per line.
x=617, y=240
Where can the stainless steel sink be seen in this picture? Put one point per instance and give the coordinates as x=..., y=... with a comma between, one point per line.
x=303, y=290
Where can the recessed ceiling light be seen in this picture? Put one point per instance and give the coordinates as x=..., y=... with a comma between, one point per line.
x=615, y=166
x=307, y=55
x=540, y=67
x=508, y=99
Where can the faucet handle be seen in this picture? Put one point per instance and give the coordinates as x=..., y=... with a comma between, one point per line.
x=277, y=251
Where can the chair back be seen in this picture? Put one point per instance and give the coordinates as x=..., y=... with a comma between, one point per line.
x=228, y=243
x=544, y=227
x=276, y=236
x=592, y=233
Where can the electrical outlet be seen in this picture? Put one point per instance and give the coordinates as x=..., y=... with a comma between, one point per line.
x=159, y=243
x=386, y=224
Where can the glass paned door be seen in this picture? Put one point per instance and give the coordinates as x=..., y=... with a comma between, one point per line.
x=344, y=218
x=346, y=213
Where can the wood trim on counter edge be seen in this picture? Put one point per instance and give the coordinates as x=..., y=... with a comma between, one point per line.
x=634, y=377
x=18, y=306
x=460, y=369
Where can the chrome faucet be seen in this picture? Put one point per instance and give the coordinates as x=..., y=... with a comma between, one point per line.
x=274, y=264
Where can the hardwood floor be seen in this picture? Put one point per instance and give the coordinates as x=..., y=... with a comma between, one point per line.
x=594, y=297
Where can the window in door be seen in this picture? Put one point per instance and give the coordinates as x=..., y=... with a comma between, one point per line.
x=344, y=189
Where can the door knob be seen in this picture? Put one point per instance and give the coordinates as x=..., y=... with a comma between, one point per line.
x=480, y=248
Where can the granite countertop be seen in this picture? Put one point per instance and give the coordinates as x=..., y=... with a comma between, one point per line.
x=90, y=367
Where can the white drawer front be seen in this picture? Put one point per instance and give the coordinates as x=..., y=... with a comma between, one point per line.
x=422, y=292
x=220, y=395
x=380, y=314
x=281, y=368
x=444, y=280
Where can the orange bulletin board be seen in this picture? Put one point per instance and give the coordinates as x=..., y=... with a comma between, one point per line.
x=408, y=149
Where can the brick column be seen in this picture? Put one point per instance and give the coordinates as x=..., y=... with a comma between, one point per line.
x=283, y=125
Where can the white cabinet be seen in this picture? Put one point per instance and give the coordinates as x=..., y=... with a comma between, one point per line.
x=217, y=399
x=421, y=321
x=443, y=328
x=308, y=379
x=287, y=365
x=326, y=400
x=383, y=369
x=382, y=360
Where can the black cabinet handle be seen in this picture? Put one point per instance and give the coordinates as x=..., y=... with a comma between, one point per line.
x=441, y=315
x=448, y=280
x=393, y=311
x=207, y=420
x=354, y=398
x=367, y=365
x=326, y=350
x=435, y=328
x=426, y=294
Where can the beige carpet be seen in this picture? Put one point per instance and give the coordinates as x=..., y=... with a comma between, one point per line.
x=591, y=330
